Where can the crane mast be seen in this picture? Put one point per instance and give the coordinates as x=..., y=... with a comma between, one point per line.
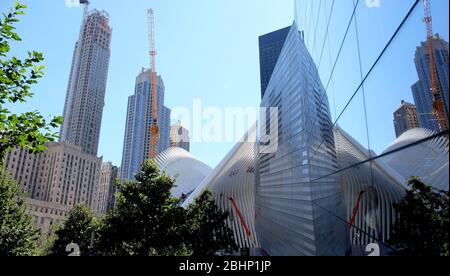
x=154, y=129
x=438, y=105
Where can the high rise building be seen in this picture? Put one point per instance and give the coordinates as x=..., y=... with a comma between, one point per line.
x=85, y=96
x=136, y=146
x=179, y=136
x=68, y=172
x=270, y=46
x=405, y=118
x=298, y=198
x=422, y=89
x=107, y=188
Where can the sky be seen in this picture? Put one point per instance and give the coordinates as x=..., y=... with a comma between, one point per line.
x=208, y=50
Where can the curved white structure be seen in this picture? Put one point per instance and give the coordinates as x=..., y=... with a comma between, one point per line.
x=232, y=183
x=372, y=186
x=428, y=160
x=182, y=166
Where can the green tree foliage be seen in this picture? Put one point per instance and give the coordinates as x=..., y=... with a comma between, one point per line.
x=423, y=226
x=28, y=130
x=78, y=229
x=147, y=220
x=208, y=228
x=18, y=235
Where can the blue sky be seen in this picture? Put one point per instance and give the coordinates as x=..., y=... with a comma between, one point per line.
x=208, y=49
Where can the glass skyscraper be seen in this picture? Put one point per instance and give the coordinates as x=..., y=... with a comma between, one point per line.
x=297, y=201
x=270, y=46
x=422, y=89
x=139, y=120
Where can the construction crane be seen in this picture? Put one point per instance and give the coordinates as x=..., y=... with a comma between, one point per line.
x=438, y=105
x=154, y=129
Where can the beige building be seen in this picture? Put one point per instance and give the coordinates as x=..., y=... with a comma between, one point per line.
x=107, y=188
x=405, y=118
x=63, y=174
x=179, y=136
x=46, y=215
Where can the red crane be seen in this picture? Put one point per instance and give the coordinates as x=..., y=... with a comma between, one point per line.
x=438, y=104
x=154, y=129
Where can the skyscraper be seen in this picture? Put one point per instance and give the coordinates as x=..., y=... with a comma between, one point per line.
x=179, y=136
x=270, y=46
x=68, y=172
x=298, y=198
x=107, y=188
x=405, y=118
x=422, y=89
x=136, y=146
x=85, y=96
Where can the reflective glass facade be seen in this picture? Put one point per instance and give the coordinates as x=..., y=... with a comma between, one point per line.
x=421, y=89
x=293, y=191
x=270, y=46
x=139, y=119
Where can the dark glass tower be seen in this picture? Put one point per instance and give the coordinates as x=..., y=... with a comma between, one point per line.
x=270, y=46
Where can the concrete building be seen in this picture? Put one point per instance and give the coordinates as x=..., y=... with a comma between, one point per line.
x=85, y=96
x=405, y=118
x=46, y=216
x=136, y=146
x=63, y=174
x=422, y=89
x=179, y=136
x=107, y=188
x=68, y=172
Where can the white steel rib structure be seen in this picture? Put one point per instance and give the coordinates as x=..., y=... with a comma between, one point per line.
x=427, y=160
x=232, y=183
x=369, y=188
x=182, y=166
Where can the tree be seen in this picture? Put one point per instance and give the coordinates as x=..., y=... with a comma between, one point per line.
x=147, y=220
x=28, y=130
x=78, y=229
x=18, y=235
x=422, y=228
x=209, y=231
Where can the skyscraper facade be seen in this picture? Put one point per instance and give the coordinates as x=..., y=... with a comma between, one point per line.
x=298, y=198
x=137, y=138
x=270, y=46
x=68, y=172
x=179, y=136
x=405, y=118
x=85, y=96
x=107, y=188
x=422, y=89
x=63, y=174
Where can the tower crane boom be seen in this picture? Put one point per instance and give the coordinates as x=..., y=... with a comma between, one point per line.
x=438, y=105
x=154, y=129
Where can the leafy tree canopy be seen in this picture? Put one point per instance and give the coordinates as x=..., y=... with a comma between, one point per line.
x=18, y=235
x=423, y=226
x=78, y=228
x=27, y=130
